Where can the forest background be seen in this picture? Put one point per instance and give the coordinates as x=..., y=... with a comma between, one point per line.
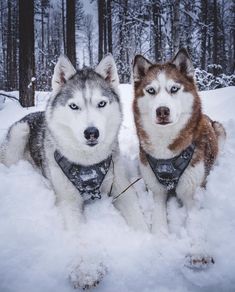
x=34, y=33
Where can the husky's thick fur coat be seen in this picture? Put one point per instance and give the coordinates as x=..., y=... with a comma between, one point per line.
x=80, y=124
x=169, y=118
x=81, y=121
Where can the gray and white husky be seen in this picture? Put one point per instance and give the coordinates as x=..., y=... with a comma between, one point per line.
x=74, y=142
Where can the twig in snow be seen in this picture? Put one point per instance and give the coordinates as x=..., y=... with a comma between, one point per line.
x=9, y=96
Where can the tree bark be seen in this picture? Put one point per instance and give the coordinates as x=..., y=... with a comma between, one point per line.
x=215, y=37
x=63, y=26
x=204, y=8
x=26, y=52
x=9, y=45
x=15, y=48
x=176, y=26
x=157, y=30
x=123, y=44
x=109, y=26
x=70, y=31
x=42, y=34
x=101, y=4
x=105, y=29
x=3, y=51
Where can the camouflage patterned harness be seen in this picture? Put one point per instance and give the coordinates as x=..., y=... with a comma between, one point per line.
x=86, y=179
x=169, y=171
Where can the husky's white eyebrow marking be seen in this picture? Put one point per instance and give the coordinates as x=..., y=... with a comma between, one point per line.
x=155, y=85
x=87, y=92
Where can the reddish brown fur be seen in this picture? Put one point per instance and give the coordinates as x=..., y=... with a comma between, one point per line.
x=199, y=129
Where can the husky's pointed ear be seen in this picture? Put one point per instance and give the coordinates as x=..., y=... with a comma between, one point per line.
x=183, y=62
x=62, y=72
x=108, y=70
x=140, y=67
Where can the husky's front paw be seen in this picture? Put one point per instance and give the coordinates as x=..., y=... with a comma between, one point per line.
x=87, y=275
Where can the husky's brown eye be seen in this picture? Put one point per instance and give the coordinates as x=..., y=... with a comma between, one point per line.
x=102, y=103
x=151, y=90
x=174, y=89
x=73, y=106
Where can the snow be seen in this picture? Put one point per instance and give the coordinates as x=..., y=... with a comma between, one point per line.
x=36, y=253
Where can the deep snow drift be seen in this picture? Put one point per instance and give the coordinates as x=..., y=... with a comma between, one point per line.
x=36, y=252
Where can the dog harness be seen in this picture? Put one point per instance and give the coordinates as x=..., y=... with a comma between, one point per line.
x=169, y=171
x=86, y=179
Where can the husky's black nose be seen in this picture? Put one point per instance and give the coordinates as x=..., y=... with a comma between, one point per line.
x=91, y=133
x=163, y=112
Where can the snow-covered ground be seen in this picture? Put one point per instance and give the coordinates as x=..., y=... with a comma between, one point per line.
x=36, y=252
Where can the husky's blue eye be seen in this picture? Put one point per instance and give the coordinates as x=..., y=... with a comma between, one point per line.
x=174, y=89
x=151, y=90
x=102, y=103
x=73, y=106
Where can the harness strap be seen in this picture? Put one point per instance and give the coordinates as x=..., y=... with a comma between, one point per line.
x=169, y=171
x=86, y=179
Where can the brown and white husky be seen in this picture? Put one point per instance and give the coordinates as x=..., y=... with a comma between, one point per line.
x=178, y=144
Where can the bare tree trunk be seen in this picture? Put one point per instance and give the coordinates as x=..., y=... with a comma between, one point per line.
x=204, y=8
x=188, y=32
x=123, y=38
x=105, y=29
x=90, y=50
x=63, y=26
x=157, y=29
x=89, y=31
x=42, y=34
x=101, y=4
x=26, y=52
x=9, y=45
x=222, y=34
x=215, y=37
x=15, y=37
x=176, y=26
x=109, y=26
x=70, y=31
x=233, y=42
x=2, y=37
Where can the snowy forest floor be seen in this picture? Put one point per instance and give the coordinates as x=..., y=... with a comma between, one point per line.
x=35, y=250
